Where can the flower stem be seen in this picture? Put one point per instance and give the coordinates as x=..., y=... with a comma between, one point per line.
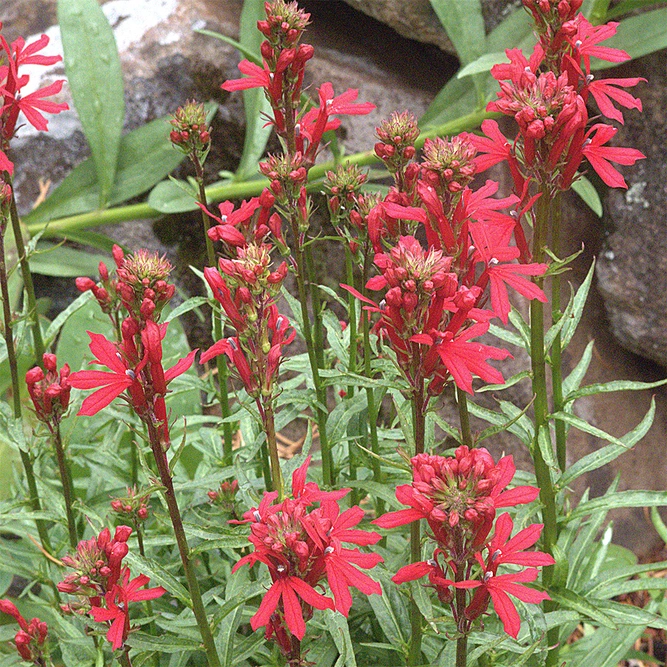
x=16, y=391
x=419, y=427
x=464, y=416
x=68, y=486
x=352, y=367
x=556, y=349
x=183, y=548
x=268, y=419
x=538, y=364
x=221, y=362
x=33, y=315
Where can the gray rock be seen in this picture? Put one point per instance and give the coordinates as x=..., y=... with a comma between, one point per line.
x=632, y=269
x=418, y=21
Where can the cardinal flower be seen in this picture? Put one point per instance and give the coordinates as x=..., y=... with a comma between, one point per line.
x=117, y=602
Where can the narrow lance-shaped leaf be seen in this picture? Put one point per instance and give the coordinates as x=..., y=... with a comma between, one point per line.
x=93, y=71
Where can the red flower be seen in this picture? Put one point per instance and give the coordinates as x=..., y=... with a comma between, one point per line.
x=287, y=589
x=31, y=105
x=112, y=384
x=606, y=90
x=502, y=549
x=256, y=77
x=30, y=638
x=499, y=588
x=600, y=155
x=587, y=37
x=117, y=602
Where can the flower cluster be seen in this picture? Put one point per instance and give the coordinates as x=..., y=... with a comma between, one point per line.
x=18, y=54
x=134, y=505
x=30, y=638
x=458, y=496
x=102, y=584
x=135, y=360
x=225, y=496
x=547, y=95
x=49, y=390
x=246, y=286
x=301, y=541
x=435, y=297
x=191, y=133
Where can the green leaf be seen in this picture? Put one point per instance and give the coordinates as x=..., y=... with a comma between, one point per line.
x=159, y=577
x=589, y=195
x=93, y=71
x=175, y=196
x=626, y=6
x=464, y=24
x=620, y=499
x=580, y=297
x=603, y=648
x=246, y=52
x=255, y=103
x=614, y=385
x=573, y=380
x=601, y=457
x=482, y=64
x=638, y=35
x=145, y=157
x=338, y=629
x=64, y=315
x=340, y=416
x=192, y=303
x=64, y=262
x=162, y=643
x=571, y=600
x=385, y=608
x=659, y=524
x=582, y=425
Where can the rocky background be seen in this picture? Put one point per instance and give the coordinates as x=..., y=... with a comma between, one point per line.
x=399, y=57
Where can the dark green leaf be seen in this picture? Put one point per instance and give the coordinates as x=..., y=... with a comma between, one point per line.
x=159, y=577
x=626, y=6
x=570, y=326
x=93, y=71
x=614, y=385
x=573, y=380
x=162, y=644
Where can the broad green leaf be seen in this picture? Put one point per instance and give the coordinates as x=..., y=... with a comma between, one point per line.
x=385, y=607
x=589, y=195
x=638, y=35
x=340, y=416
x=92, y=239
x=256, y=106
x=614, y=385
x=173, y=197
x=464, y=24
x=595, y=10
x=606, y=454
x=145, y=157
x=93, y=71
x=64, y=262
x=482, y=64
x=603, y=648
x=580, y=297
x=192, y=303
x=618, y=500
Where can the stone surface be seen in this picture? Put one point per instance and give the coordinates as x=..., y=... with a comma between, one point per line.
x=418, y=21
x=632, y=269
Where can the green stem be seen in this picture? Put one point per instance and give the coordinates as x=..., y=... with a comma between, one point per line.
x=16, y=390
x=352, y=368
x=419, y=427
x=370, y=394
x=320, y=391
x=268, y=419
x=33, y=315
x=220, y=360
x=68, y=486
x=183, y=548
x=538, y=364
x=225, y=191
x=556, y=348
x=464, y=416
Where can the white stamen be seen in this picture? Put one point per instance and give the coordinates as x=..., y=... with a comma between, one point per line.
x=578, y=43
x=496, y=554
x=493, y=261
x=223, y=219
x=328, y=550
x=257, y=515
x=130, y=373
